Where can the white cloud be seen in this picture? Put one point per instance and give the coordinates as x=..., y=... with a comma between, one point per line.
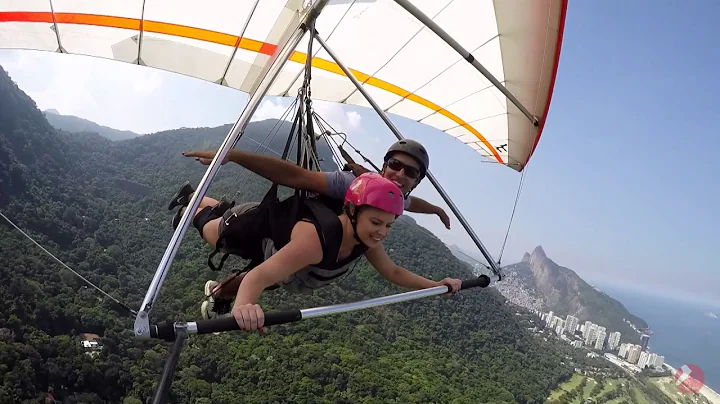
x=273, y=109
x=349, y=122
x=148, y=82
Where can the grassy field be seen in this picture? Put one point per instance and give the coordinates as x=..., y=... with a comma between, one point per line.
x=608, y=386
x=666, y=384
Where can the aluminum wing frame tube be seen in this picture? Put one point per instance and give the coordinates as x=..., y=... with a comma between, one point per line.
x=191, y=326
x=410, y=8
x=142, y=324
x=432, y=178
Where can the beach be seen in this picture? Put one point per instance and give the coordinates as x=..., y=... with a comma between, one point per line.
x=706, y=391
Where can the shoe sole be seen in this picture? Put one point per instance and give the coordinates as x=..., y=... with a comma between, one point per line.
x=204, y=312
x=176, y=200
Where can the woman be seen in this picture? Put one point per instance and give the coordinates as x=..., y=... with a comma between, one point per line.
x=319, y=250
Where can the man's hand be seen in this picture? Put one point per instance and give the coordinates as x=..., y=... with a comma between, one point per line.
x=444, y=218
x=205, y=157
x=452, y=283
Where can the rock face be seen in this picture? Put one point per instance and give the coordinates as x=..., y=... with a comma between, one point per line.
x=560, y=286
x=538, y=281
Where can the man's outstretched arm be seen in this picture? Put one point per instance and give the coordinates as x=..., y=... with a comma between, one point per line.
x=419, y=205
x=274, y=169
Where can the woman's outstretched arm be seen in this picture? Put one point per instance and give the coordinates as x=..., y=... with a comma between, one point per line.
x=303, y=249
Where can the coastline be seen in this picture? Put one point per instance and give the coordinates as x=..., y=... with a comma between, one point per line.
x=706, y=391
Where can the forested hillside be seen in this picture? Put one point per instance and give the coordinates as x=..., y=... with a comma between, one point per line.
x=101, y=207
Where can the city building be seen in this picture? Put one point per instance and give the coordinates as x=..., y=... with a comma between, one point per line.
x=633, y=354
x=643, y=359
x=600, y=340
x=571, y=324
x=644, y=340
x=613, y=340
x=623, y=351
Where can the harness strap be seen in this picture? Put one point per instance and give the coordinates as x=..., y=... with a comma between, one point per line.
x=329, y=229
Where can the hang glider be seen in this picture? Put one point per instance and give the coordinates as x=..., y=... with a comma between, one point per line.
x=481, y=71
x=407, y=68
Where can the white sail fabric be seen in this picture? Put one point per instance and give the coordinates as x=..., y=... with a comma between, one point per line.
x=404, y=66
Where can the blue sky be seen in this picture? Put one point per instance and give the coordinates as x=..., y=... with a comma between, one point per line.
x=621, y=189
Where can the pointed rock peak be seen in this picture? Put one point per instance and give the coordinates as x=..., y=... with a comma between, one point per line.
x=538, y=252
x=526, y=258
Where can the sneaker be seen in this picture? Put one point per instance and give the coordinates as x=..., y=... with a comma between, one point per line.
x=176, y=218
x=182, y=197
x=214, y=307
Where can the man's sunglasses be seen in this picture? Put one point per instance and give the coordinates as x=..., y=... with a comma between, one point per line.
x=397, y=165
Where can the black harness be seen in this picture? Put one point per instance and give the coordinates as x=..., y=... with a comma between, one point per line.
x=274, y=219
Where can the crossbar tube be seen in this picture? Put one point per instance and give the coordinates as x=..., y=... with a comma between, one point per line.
x=169, y=331
x=399, y=136
x=277, y=61
x=410, y=8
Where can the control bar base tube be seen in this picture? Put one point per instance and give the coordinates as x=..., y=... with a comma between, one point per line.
x=167, y=330
x=433, y=180
x=277, y=61
x=163, y=389
x=410, y=8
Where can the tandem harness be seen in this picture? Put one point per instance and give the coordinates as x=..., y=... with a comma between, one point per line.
x=243, y=234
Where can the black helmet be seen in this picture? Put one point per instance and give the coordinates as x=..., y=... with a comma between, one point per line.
x=414, y=149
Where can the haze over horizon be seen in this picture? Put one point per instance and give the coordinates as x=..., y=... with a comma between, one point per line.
x=619, y=189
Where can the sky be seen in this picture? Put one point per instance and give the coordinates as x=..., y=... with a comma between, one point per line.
x=621, y=188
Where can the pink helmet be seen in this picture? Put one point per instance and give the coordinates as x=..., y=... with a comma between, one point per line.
x=377, y=191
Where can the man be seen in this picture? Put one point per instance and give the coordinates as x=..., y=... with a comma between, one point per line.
x=405, y=163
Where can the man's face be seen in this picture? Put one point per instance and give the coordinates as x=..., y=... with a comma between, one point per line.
x=403, y=170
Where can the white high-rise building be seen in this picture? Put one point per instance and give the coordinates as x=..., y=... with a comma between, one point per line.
x=634, y=354
x=571, y=324
x=643, y=359
x=655, y=360
x=651, y=359
x=613, y=340
x=590, y=335
x=624, y=348
x=600, y=341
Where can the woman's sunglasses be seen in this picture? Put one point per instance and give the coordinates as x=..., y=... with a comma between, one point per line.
x=397, y=165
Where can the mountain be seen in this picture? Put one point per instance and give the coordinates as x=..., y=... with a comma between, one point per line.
x=76, y=124
x=537, y=282
x=100, y=207
x=255, y=138
x=461, y=255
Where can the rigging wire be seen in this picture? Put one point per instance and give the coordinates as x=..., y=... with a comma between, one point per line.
x=261, y=145
x=512, y=215
x=123, y=305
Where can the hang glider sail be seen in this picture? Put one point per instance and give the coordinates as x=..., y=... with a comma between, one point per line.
x=406, y=67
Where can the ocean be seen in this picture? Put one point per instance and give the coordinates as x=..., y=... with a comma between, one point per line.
x=682, y=331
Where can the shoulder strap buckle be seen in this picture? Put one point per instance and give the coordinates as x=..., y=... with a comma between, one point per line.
x=230, y=218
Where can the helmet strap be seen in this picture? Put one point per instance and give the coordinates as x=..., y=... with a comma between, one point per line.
x=353, y=222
